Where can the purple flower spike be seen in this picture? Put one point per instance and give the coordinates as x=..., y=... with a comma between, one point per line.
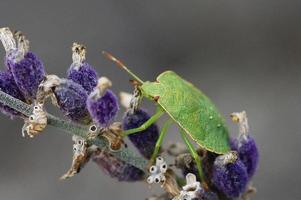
x=26, y=68
x=8, y=85
x=230, y=175
x=80, y=71
x=71, y=98
x=245, y=145
x=144, y=141
x=102, y=103
x=117, y=168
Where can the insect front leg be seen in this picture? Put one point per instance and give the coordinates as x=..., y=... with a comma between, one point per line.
x=147, y=124
x=194, y=155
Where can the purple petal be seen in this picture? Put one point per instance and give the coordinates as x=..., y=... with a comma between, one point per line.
x=248, y=153
x=28, y=73
x=71, y=98
x=85, y=75
x=104, y=108
x=230, y=179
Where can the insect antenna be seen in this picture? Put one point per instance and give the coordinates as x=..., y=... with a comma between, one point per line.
x=121, y=65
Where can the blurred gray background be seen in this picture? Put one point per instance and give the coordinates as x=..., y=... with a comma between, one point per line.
x=243, y=54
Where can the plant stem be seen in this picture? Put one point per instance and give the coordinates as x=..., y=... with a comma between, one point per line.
x=74, y=129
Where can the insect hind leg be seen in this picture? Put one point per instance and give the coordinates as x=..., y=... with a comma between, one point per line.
x=160, y=140
x=194, y=155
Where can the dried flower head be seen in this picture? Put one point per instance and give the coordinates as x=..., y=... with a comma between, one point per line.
x=36, y=122
x=81, y=156
x=26, y=68
x=157, y=172
x=193, y=190
x=46, y=89
x=161, y=174
x=112, y=133
x=71, y=99
x=80, y=71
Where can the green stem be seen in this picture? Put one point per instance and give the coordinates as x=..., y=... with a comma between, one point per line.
x=73, y=129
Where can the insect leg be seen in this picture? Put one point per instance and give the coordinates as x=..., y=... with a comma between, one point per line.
x=194, y=154
x=160, y=140
x=147, y=124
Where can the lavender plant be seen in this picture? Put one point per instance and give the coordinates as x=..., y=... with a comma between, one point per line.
x=219, y=168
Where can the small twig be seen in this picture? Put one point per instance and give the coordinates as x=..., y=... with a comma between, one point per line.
x=74, y=129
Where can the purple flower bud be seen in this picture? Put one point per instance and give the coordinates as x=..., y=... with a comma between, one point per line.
x=80, y=71
x=102, y=104
x=8, y=85
x=117, y=168
x=245, y=145
x=248, y=153
x=144, y=141
x=28, y=74
x=71, y=98
x=230, y=175
x=26, y=68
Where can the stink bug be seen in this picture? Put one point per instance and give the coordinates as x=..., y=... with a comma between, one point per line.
x=194, y=113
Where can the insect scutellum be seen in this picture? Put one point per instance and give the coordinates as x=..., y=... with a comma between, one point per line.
x=159, y=112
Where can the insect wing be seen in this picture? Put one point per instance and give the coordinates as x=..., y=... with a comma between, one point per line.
x=191, y=109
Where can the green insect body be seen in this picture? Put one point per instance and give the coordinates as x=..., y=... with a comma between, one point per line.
x=188, y=107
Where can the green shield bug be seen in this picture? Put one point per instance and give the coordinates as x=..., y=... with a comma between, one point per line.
x=194, y=113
